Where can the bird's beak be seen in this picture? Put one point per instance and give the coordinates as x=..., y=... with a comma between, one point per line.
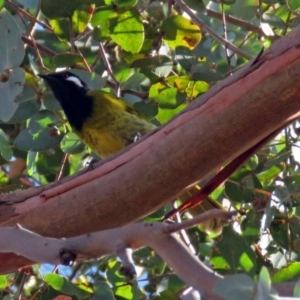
x=48, y=78
x=44, y=76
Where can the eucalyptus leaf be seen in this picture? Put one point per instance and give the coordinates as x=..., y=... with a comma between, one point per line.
x=11, y=46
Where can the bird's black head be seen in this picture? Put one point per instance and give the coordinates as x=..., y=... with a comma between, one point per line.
x=71, y=92
x=64, y=85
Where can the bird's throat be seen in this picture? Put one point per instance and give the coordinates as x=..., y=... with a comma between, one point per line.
x=78, y=110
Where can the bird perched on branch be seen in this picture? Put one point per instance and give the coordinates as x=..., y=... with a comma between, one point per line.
x=102, y=121
x=106, y=123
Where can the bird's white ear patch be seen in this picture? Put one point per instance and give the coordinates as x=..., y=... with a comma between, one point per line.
x=75, y=80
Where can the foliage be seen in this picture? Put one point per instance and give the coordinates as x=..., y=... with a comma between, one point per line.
x=160, y=61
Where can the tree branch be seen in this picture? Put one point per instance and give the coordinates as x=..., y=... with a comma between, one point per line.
x=120, y=241
x=230, y=118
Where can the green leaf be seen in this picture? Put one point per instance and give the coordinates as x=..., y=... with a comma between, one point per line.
x=9, y=90
x=250, y=226
x=65, y=286
x=228, y=288
x=240, y=186
x=146, y=109
x=93, y=80
x=81, y=17
x=154, y=67
x=113, y=274
x=121, y=3
x=41, y=141
x=54, y=9
x=101, y=34
x=297, y=289
x=293, y=4
x=5, y=149
x=127, y=30
x=102, y=15
x=50, y=293
x=103, y=291
x=134, y=81
x=31, y=162
x=125, y=292
x=290, y=272
x=29, y=3
x=164, y=114
x=28, y=106
x=168, y=295
x=39, y=135
x=243, y=9
x=197, y=5
x=232, y=253
x=278, y=232
x=264, y=278
x=252, y=163
x=11, y=46
x=48, y=163
x=273, y=20
x=71, y=144
x=175, y=283
x=79, y=20
x=122, y=72
x=3, y=282
x=269, y=173
x=66, y=60
x=61, y=28
x=50, y=102
x=228, y=2
x=165, y=96
x=179, y=31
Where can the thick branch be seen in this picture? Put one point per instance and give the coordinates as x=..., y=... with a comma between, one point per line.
x=120, y=241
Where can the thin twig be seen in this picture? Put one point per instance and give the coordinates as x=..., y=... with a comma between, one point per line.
x=75, y=270
x=18, y=294
x=62, y=166
x=72, y=39
x=108, y=68
x=225, y=37
x=183, y=233
x=142, y=10
x=41, y=48
x=241, y=23
x=93, y=65
x=29, y=16
x=33, y=41
x=83, y=59
x=142, y=95
x=31, y=29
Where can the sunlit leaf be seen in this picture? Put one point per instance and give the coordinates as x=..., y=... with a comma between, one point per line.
x=179, y=31
x=127, y=30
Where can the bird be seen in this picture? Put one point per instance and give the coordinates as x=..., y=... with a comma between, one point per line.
x=101, y=120
x=107, y=124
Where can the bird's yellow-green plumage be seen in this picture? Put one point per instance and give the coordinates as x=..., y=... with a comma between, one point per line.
x=102, y=121
x=112, y=125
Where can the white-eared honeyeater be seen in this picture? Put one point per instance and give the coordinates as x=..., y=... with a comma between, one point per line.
x=102, y=121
